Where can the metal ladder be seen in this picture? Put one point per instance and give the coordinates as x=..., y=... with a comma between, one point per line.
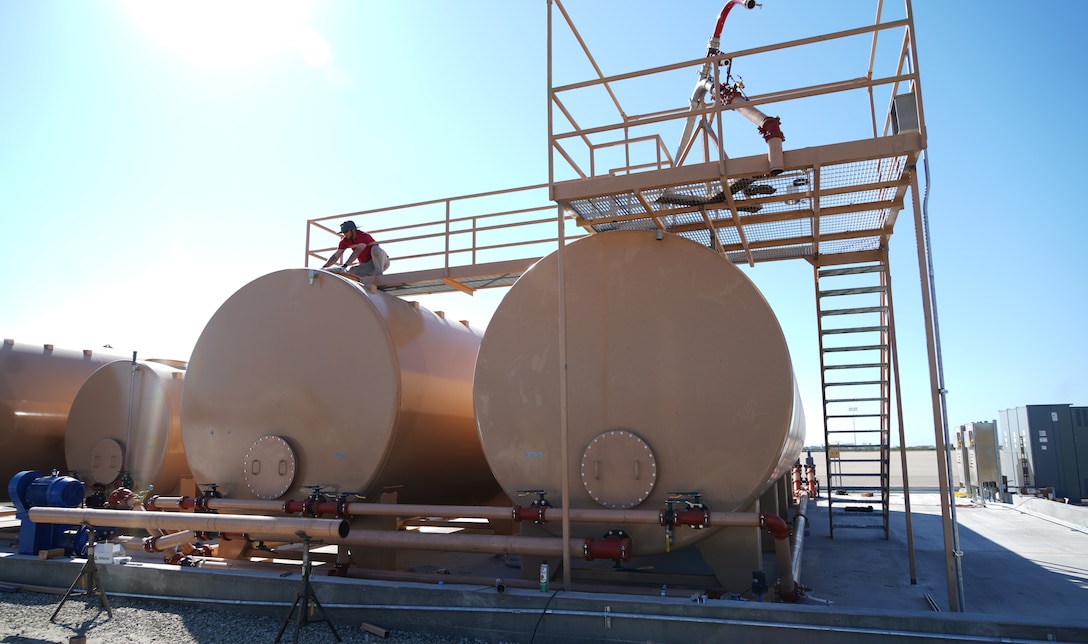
x=853, y=314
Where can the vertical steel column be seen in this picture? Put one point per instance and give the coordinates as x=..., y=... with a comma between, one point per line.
x=940, y=432
x=562, y=312
x=892, y=344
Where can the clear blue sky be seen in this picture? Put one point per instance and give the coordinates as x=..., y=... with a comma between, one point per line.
x=153, y=162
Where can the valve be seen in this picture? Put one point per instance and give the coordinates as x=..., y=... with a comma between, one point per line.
x=694, y=514
x=615, y=545
x=536, y=509
x=96, y=500
x=309, y=506
x=342, y=504
x=208, y=491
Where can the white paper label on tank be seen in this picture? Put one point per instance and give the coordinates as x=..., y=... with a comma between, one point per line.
x=1054, y=416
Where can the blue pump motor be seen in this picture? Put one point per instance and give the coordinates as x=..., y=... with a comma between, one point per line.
x=30, y=489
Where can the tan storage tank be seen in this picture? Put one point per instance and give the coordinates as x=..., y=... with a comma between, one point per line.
x=304, y=378
x=678, y=380
x=37, y=386
x=127, y=418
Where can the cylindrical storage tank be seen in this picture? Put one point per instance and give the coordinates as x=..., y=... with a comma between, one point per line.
x=303, y=377
x=37, y=386
x=678, y=380
x=127, y=418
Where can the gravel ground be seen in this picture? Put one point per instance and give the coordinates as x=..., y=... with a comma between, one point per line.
x=24, y=618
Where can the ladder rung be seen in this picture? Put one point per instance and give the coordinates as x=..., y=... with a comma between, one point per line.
x=857, y=290
x=864, y=347
x=854, y=311
x=869, y=474
x=855, y=383
x=854, y=488
x=860, y=460
x=851, y=270
x=855, y=416
x=847, y=400
x=855, y=431
x=856, y=366
x=874, y=525
x=856, y=329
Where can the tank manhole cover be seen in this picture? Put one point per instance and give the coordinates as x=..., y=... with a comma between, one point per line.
x=107, y=456
x=618, y=469
x=270, y=467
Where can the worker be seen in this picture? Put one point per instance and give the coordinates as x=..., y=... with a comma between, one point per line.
x=360, y=244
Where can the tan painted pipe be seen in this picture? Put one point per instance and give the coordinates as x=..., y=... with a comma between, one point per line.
x=167, y=541
x=355, y=509
x=787, y=586
x=736, y=519
x=278, y=526
x=541, y=546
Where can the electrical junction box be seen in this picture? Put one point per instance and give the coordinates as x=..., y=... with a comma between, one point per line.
x=904, y=114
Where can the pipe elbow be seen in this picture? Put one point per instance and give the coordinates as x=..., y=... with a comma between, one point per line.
x=121, y=498
x=775, y=525
x=771, y=128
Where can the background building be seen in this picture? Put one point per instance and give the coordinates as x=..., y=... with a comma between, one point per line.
x=1046, y=446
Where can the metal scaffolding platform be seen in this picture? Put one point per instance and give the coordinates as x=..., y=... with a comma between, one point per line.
x=610, y=168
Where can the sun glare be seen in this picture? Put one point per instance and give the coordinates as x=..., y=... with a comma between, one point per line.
x=222, y=33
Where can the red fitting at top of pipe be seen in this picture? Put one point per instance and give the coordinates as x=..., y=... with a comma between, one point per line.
x=776, y=525
x=772, y=129
x=186, y=503
x=121, y=498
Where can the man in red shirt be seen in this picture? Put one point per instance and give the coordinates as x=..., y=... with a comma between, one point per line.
x=359, y=242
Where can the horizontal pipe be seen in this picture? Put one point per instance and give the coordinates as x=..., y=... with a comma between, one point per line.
x=734, y=519
x=158, y=544
x=490, y=544
x=353, y=509
x=200, y=522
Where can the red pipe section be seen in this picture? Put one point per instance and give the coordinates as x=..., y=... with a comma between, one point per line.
x=607, y=548
x=721, y=21
x=775, y=524
x=748, y=4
